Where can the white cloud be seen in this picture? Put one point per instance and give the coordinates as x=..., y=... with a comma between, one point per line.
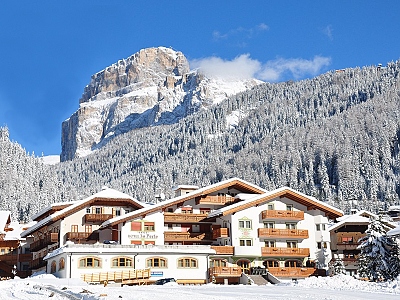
x=328, y=31
x=297, y=68
x=274, y=70
x=240, y=67
x=240, y=32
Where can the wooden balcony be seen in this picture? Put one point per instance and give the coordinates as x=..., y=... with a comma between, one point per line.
x=283, y=214
x=37, y=263
x=82, y=236
x=227, y=250
x=48, y=239
x=291, y=272
x=225, y=272
x=187, y=236
x=347, y=246
x=220, y=233
x=216, y=200
x=183, y=218
x=283, y=233
x=126, y=276
x=285, y=252
x=13, y=258
x=97, y=218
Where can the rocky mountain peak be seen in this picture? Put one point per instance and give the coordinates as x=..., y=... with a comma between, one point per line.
x=152, y=87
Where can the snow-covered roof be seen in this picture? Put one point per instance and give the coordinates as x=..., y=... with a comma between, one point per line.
x=186, y=187
x=105, y=193
x=394, y=232
x=181, y=198
x=283, y=191
x=52, y=206
x=350, y=220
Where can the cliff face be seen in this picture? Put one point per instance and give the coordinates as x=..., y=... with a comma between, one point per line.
x=152, y=87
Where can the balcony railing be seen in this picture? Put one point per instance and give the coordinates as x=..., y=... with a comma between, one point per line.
x=291, y=272
x=283, y=214
x=83, y=236
x=187, y=218
x=277, y=251
x=48, y=239
x=97, y=218
x=14, y=257
x=284, y=233
x=225, y=271
x=187, y=236
x=37, y=263
x=218, y=200
x=220, y=232
x=228, y=250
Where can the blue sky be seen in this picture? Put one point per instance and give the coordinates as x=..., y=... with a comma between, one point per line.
x=50, y=49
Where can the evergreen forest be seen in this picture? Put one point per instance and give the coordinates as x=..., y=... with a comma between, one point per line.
x=335, y=137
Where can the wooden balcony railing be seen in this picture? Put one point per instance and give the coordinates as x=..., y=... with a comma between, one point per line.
x=347, y=246
x=291, y=272
x=37, y=263
x=14, y=257
x=292, y=252
x=48, y=239
x=228, y=250
x=220, y=232
x=225, y=271
x=83, y=236
x=285, y=233
x=117, y=276
x=187, y=236
x=180, y=218
x=283, y=214
x=97, y=218
x=218, y=200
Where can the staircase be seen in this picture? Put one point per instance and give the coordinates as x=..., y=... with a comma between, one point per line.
x=258, y=279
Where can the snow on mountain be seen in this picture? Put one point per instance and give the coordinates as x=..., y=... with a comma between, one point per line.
x=155, y=86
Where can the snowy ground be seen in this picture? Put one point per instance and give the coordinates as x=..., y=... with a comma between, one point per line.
x=338, y=288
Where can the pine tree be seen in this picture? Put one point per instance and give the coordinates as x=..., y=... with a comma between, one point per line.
x=337, y=266
x=379, y=258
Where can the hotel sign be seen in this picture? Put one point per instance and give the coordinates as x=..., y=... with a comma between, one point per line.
x=143, y=235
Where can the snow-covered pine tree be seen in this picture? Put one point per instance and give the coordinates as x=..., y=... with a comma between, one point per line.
x=379, y=257
x=337, y=266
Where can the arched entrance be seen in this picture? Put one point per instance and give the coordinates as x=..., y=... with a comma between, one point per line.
x=245, y=265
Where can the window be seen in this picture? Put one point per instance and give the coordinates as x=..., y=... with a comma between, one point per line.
x=148, y=226
x=245, y=224
x=61, y=264
x=318, y=227
x=187, y=262
x=171, y=210
x=271, y=264
x=270, y=244
x=293, y=264
x=187, y=210
x=245, y=242
x=88, y=210
x=122, y=262
x=88, y=228
x=291, y=225
x=53, y=267
x=170, y=226
x=205, y=210
x=347, y=240
x=269, y=225
x=89, y=262
x=322, y=244
x=136, y=226
x=289, y=207
x=136, y=242
x=291, y=244
x=74, y=228
x=117, y=212
x=218, y=263
x=270, y=207
x=156, y=262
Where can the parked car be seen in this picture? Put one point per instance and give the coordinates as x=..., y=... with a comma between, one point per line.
x=165, y=280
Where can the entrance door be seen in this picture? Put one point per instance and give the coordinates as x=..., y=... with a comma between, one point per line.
x=245, y=265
